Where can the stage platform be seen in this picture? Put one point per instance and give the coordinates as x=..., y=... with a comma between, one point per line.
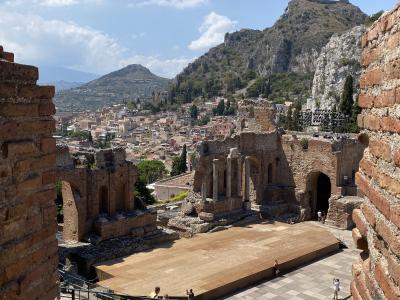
x=216, y=264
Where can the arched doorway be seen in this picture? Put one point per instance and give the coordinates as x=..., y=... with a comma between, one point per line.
x=323, y=193
x=270, y=174
x=73, y=217
x=318, y=191
x=103, y=201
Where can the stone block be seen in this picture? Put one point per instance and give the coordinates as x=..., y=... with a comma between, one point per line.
x=207, y=217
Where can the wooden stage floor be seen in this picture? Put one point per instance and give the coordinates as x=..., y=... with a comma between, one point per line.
x=216, y=264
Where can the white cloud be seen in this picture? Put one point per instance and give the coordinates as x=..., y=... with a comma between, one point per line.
x=56, y=2
x=136, y=36
x=180, y=4
x=51, y=3
x=212, y=31
x=39, y=41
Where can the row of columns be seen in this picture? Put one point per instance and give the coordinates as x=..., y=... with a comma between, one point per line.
x=234, y=153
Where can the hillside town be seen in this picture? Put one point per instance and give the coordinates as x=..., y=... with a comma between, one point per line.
x=145, y=136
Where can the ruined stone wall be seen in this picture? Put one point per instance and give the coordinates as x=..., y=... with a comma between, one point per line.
x=282, y=168
x=28, y=255
x=99, y=183
x=377, y=273
x=256, y=116
x=262, y=149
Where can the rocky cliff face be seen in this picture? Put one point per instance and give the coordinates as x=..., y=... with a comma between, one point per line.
x=338, y=59
x=291, y=45
x=298, y=36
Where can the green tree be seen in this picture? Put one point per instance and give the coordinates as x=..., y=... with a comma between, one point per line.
x=81, y=135
x=347, y=103
x=220, y=109
x=194, y=112
x=150, y=171
x=348, y=107
x=229, y=109
x=143, y=193
x=296, y=117
x=90, y=138
x=204, y=120
x=179, y=165
x=374, y=17
x=289, y=119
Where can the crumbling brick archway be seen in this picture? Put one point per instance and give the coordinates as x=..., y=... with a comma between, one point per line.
x=73, y=220
x=255, y=181
x=318, y=192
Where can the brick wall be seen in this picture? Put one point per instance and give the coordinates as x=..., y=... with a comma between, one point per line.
x=28, y=246
x=377, y=273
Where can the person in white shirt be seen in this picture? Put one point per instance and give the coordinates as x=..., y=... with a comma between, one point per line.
x=319, y=215
x=336, y=288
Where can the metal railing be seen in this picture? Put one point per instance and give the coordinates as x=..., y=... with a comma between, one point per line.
x=74, y=288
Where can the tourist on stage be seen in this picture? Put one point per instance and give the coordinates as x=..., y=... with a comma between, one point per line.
x=336, y=288
x=276, y=268
x=155, y=293
x=319, y=215
x=190, y=294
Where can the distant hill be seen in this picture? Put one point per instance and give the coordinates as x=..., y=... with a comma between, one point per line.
x=129, y=83
x=65, y=85
x=277, y=62
x=48, y=74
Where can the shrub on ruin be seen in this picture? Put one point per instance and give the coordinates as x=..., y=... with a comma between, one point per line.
x=304, y=143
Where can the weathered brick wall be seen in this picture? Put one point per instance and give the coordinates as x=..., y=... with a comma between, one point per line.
x=377, y=273
x=28, y=245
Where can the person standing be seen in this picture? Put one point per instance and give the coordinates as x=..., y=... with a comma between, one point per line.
x=190, y=294
x=276, y=268
x=155, y=293
x=319, y=215
x=336, y=288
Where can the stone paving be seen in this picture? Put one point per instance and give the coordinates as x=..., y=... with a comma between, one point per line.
x=313, y=281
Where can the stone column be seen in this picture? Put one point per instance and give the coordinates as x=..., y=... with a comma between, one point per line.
x=215, y=179
x=204, y=191
x=239, y=176
x=228, y=177
x=247, y=178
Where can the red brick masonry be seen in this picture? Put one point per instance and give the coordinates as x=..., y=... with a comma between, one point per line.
x=377, y=273
x=28, y=245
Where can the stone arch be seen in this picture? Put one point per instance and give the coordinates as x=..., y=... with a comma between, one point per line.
x=254, y=179
x=73, y=229
x=318, y=192
x=120, y=198
x=104, y=200
x=270, y=174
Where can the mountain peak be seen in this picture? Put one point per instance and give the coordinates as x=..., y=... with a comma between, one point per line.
x=129, y=83
x=136, y=67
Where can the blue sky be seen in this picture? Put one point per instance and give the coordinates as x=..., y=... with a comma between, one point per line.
x=99, y=36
